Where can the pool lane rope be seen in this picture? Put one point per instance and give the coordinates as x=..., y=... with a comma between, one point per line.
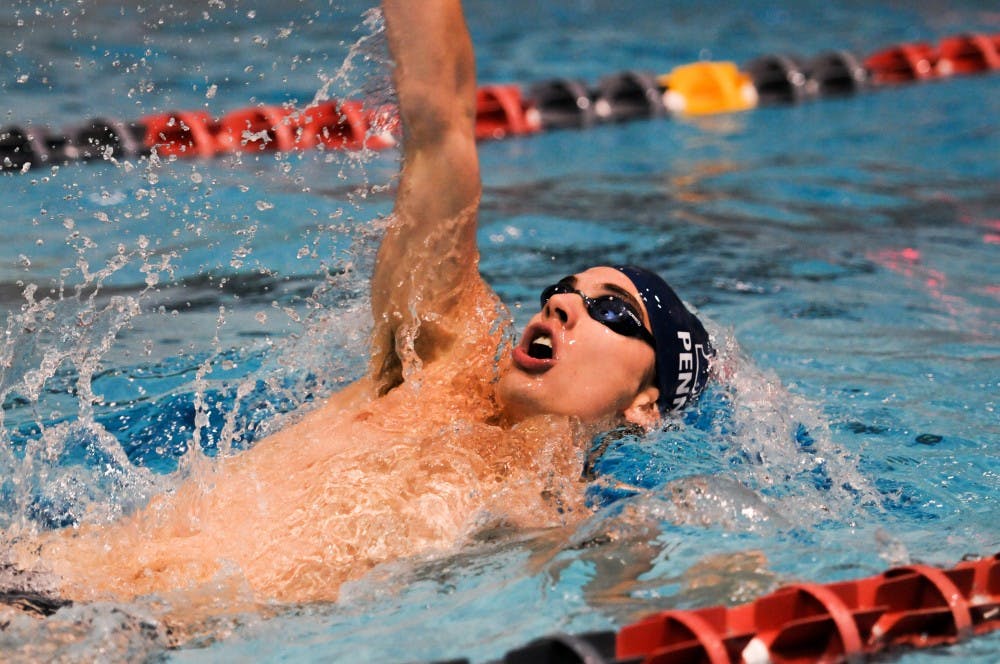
x=506, y=110
x=913, y=606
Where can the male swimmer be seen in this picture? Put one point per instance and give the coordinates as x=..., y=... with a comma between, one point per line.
x=438, y=440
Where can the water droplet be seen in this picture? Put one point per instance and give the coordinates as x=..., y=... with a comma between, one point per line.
x=264, y=205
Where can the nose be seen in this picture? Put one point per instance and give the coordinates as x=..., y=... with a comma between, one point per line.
x=567, y=307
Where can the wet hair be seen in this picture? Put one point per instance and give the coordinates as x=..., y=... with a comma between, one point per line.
x=683, y=349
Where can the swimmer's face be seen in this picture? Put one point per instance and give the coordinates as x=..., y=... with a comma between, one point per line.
x=591, y=372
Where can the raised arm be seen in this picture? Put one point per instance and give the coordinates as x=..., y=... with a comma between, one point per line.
x=429, y=255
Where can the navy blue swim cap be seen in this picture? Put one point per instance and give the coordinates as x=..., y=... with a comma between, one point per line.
x=683, y=349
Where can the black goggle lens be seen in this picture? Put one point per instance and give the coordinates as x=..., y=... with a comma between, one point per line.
x=609, y=310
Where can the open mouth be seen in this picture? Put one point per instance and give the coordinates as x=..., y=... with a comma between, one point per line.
x=537, y=351
x=540, y=347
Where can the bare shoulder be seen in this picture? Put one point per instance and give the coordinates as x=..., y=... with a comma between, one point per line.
x=323, y=424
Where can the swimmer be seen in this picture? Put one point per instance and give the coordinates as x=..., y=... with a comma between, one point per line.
x=450, y=431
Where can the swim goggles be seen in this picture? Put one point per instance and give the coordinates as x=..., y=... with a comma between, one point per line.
x=610, y=311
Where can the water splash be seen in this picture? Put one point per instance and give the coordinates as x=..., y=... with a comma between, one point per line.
x=750, y=456
x=111, y=369
x=783, y=444
x=52, y=350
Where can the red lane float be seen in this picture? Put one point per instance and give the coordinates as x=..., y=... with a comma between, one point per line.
x=903, y=63
x=181, y=134
x=254, y=129
x=344, y=125
x=335, y=126
x=501, y=112
x=969, y=54
x=961, y=54
x=360, y=127
x=915, y=606
x=324, y=125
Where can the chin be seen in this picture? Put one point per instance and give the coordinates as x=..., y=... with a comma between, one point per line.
x=521, y=396
x=518, y=405
x=517, y=402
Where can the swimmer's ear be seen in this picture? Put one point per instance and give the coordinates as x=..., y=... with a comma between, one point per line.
x=643, y=409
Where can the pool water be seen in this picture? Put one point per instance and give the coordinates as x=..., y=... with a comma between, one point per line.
x=844, y=253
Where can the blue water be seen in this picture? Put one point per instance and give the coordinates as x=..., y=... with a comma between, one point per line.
x=844, y=252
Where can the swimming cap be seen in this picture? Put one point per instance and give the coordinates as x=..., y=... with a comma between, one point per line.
x=682, y=346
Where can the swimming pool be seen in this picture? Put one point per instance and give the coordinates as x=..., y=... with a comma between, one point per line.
x=844, y=251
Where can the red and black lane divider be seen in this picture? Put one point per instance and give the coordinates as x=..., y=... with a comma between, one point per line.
x=334, y=125
x=506, y=110
x=916, y=606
